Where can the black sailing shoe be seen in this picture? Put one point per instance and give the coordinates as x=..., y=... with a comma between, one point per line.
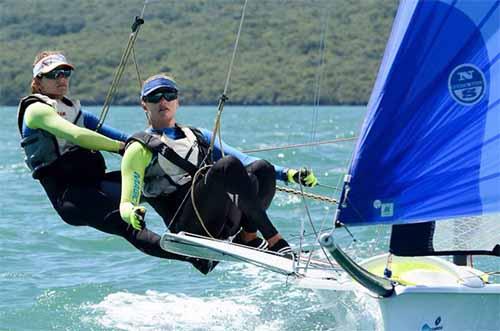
x=283, y=248
x=202, y=265
x=258, y=243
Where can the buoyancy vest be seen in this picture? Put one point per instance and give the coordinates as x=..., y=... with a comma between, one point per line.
x=42, y=148
x=171, y=170
x=174, y=162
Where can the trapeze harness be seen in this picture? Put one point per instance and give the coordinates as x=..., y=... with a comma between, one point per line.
x=71, y=177
x=49, y=155
x=175, y=161
x=169, y=175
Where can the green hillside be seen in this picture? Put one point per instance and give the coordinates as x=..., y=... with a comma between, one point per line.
x=277, y=61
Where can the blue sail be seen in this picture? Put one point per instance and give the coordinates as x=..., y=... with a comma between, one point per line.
x=429, y=148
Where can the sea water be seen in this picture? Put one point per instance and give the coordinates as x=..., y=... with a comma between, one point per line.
x=54, y=276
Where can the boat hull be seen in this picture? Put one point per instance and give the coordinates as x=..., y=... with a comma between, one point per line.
x=437, y=295
x=440, y=308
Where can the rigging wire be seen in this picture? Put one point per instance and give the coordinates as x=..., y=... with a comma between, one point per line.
x=215, y=132
x=316, y=233
x=223, y=98
x=316, y=143
x=317, y=98
x=309, y=235
x=139, y=79
x=129, y=50
x=319, y=74
x=136, y=26
x=193, y=201
x=313, y=133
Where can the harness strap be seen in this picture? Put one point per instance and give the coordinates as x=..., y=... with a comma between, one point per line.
x=25, y=102
x=156, y=145
x=31, y=99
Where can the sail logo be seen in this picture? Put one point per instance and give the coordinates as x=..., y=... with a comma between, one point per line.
x=436, y=326
x=467, y=84
x=386, y=209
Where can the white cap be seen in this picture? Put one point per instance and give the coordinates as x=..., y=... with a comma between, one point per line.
x=49, y=63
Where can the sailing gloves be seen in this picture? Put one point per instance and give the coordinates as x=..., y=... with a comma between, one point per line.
x=303, y=176
x=133, y=215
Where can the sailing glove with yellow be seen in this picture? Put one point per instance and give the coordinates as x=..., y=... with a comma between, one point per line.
x=303, y=176
x=133, y=215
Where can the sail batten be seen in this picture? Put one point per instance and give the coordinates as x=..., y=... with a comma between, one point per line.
x=429, y=148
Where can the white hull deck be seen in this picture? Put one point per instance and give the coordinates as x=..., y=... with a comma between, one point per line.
x=438, y=295
x=446, y=297
x=432, y=294
x=442, y=308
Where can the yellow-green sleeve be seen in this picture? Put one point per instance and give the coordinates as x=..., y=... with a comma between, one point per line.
x=41, y=116
x=134, y=163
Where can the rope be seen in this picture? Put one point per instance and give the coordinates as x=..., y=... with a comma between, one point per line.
x=307, y=195
x=283, y=189
x=198, y=215
x=226, y=85
x=216, y=132
x=319, y=73
x=274, y=148
x=304, y=195
x=200, y=219
x=188, y=194
x=139, y=79
x=136, y=26
x=223, y=98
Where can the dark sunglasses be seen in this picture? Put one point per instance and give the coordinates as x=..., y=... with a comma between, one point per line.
x=57, y=73
x=156, y=97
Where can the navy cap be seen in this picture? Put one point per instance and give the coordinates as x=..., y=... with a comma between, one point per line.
x=157, y=83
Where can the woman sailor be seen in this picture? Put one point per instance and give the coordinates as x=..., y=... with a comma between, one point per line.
x=62, y=152
x=161, y=163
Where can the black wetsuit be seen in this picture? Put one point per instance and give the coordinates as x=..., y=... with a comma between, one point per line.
x=76, y=183
x=254, y=186
x=251, y=187
x=82, y=194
